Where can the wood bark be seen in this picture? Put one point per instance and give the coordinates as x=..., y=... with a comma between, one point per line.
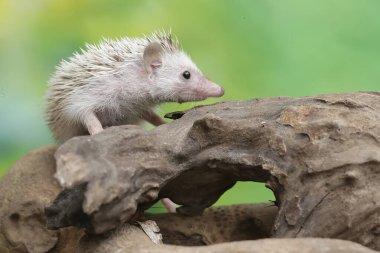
x=320, y=156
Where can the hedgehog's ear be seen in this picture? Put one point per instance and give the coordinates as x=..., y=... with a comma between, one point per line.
x=152, y=57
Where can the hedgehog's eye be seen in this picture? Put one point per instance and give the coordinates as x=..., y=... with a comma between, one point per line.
x=186, y=74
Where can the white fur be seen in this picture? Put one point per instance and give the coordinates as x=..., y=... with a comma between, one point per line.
x=110, y=80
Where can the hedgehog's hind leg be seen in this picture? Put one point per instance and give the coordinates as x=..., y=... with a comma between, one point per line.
x=92, y=123
x=154, y=119
x=169, y=205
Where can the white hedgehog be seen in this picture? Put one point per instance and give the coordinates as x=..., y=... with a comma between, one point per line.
x=119, y=82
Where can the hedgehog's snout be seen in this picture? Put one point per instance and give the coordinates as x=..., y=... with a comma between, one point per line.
x=221, y=91
x=213, y=90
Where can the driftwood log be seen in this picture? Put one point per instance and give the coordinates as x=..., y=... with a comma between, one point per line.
x=319, y=155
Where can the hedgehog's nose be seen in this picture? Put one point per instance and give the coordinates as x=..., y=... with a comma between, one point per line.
x=221, y=91
x=218, y=91
x=213, y=90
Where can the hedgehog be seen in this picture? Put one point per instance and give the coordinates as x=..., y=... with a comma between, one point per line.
x=120, y=82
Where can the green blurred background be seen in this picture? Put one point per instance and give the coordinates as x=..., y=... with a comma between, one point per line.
x=254, y=48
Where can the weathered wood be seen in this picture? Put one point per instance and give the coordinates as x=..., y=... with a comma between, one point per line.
x=27, y=188
x=319, y=155
x=131, y=239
